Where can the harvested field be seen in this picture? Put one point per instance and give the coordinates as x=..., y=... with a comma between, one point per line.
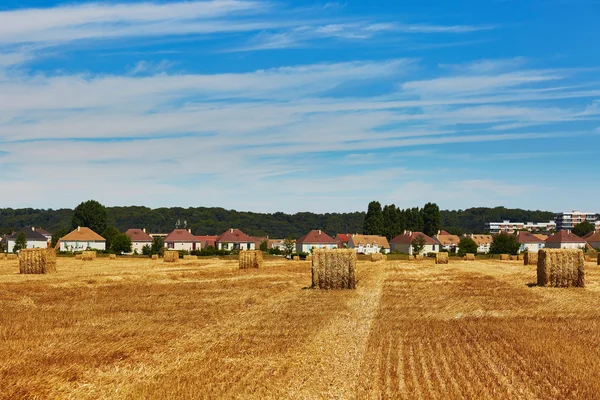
x=137, y=329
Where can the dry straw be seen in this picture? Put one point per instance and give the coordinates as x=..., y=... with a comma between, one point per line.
x=2, y=256
x=308, y=258
x=561, y=268
x=88, y=255
x=419, y=257
x=37, y=261
x=12, y=256
x=504, y=257
x=378, y=257
x=441, y=258
x=411, y=258
x=188, y=257
x=155, y=256
x=251, y=259
x=530, y=258
x=171, y=256
x=78, y=256
x=598, y=259
x=334, y=269
x=470, y=257
x=112, y=256
x=296, y=258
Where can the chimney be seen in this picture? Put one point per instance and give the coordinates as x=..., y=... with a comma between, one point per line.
x=231, y=230
x=144, y=230
x=319, y=231
x=78, y=229
x=189, y=230
x=33, y=228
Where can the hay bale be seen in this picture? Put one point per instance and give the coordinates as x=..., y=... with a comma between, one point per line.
x=411, y=258
x=296, y=258
x=112, y=256
x=78, y=256
x=88, y=255
x=189, y=257
x=2, y=256
x=470, y=257
x=512, y=258
x=251, y=259
x=419, y=257
x=171, y=256
x=308, y=258
x=561, y=268
x=588, y=259
x=504, y=257
x=334, y=269
x=442, y=258
x=37, y=261
x=155, y=256
x=12, y=257
x=378, y=257
x=530, y=258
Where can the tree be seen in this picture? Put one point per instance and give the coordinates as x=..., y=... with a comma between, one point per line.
x=454, y=230
x=158, y=246
x=288, y=246
x=391, y=221
x=374, y=220
x=109, y=234
x=90, y=214
x=467, y=245
x=121, y=243
x=57, y=235
x=20, y=242
x=147, y=250
x=432, y=221
x=418, y=244
x=414, y=219
x=583, y=228
x=504, y=243
x=264, y=246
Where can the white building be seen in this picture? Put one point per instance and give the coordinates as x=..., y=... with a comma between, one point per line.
x=139, y=239
x=529, y=242
x=507, y=226
x=403, y=243
x=235, y=239
x=568, y=220
x=35, y=239
x=565, y=240
x=369, y=244
x=316, y=239
x=82, y=239
x=484, y=242
x=182, y=239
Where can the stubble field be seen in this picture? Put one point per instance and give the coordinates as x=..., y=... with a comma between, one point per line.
x=205, y=329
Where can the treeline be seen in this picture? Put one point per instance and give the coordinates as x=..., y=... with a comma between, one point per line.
x=392, y=221
x=214, y=221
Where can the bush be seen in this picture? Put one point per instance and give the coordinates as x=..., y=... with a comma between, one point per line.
x=467, y=245
x=505, y=244
x=432, y=255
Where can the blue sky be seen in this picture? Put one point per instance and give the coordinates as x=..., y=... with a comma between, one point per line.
x=300, y=105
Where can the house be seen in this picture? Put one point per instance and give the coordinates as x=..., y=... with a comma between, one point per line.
x=565, y=240
x=139, y=239
x=234, y=239
x=258, y=240
x=316, y=239
x=540, y=236
x=484, y=242
x=369, y=244
x=44, y=232
x=594, y=240
x=279, y=244
x=529, y=242
x=207, y=241
x=35, y=239
x=403, y=243
x=182, y=239
x=81, y=239
x=343, y=239
x=447, y=241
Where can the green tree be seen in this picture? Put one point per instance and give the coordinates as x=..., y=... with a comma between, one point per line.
x=109, y=234
x=418, y=244
x=264, y=246
x=147, y=250
x=467, y=245
x=583, y=228
x=391, y=221
x=454, y=230
x=432, y=220
x=288, y=246
x=57, y=235
x=121, y=243
x=414, y=220
x=20, y=242
x=374, y=220
x=90, y=214
x=158, y=246
x=504, y=243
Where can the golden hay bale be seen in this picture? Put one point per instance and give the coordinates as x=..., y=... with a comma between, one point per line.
x=530, y=258
x=561, y=268
x=171, y=256
x=308, y=258
x=251, y=259
x=88, y=255
x=512, y=258
x=2, y=256
x=470, y=257
x=78, y=256
x=442, y=258
x=296, y=258
x=155, y=256
x=37, y=261
x=334, y=269
x=419, y=257
x=112, y=256
x=189, y=257
x=504, y=257
x=378, y=257
x=411, y=258
x=588, y=259
x=12, y=257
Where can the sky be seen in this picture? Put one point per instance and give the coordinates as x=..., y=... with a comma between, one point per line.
x=296, y=106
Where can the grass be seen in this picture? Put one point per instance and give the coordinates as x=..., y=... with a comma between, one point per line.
x=136, y=328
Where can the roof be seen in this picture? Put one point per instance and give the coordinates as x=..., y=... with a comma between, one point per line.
x=408, y=237
x=588, y=235
x=234, y=236
x=481, y=239
x=82, y=234
x=207, y=240
x=444, y=233
x=31, y=234
x=541, y=236
x=447, y=239
x=343, y=237
x=180, y=236
x=43, y=231
x=317, y=237
x=528, y=237
x=138, y=235
x=594, y=237
x=564, y=237
x=259, y=239
x=380, y=241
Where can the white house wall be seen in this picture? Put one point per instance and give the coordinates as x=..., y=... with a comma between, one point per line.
x=139, y=246
x=531, y=247
x=183, y=246
x=306, y=247
x=73, y=246
x=565, y=245
x=31, y=244
x=242, y=246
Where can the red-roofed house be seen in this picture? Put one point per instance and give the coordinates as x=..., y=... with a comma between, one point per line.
x=139, y=239
x=529, y=242
x=343, y=239
x=234, y=239
x=565, y=240
x=316, y=239
x=403, y=243
x=207, y=241
x=182, y=239
x=594, y=240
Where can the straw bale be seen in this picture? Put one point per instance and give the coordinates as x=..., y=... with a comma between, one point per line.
x=171, y=256
x=78, y=256
x=296, y=258
x=37, y=261
x=441, y=258
x=308, y=258
x=334, y=269
x=189, y=257
x=512, y=258
x=378, y=257
x=155, y=256
x=411, y=258
x=530, y=258
x=470, y=257
x=251, y=259
x=504, y=257
x=419, y=257
x=112, y=256
x=12, y=257
x=561, y=268
x=2, y=256
x=588, y=258
x=88, y=255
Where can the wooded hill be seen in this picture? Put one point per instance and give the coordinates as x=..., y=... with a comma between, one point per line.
x=214, y=221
